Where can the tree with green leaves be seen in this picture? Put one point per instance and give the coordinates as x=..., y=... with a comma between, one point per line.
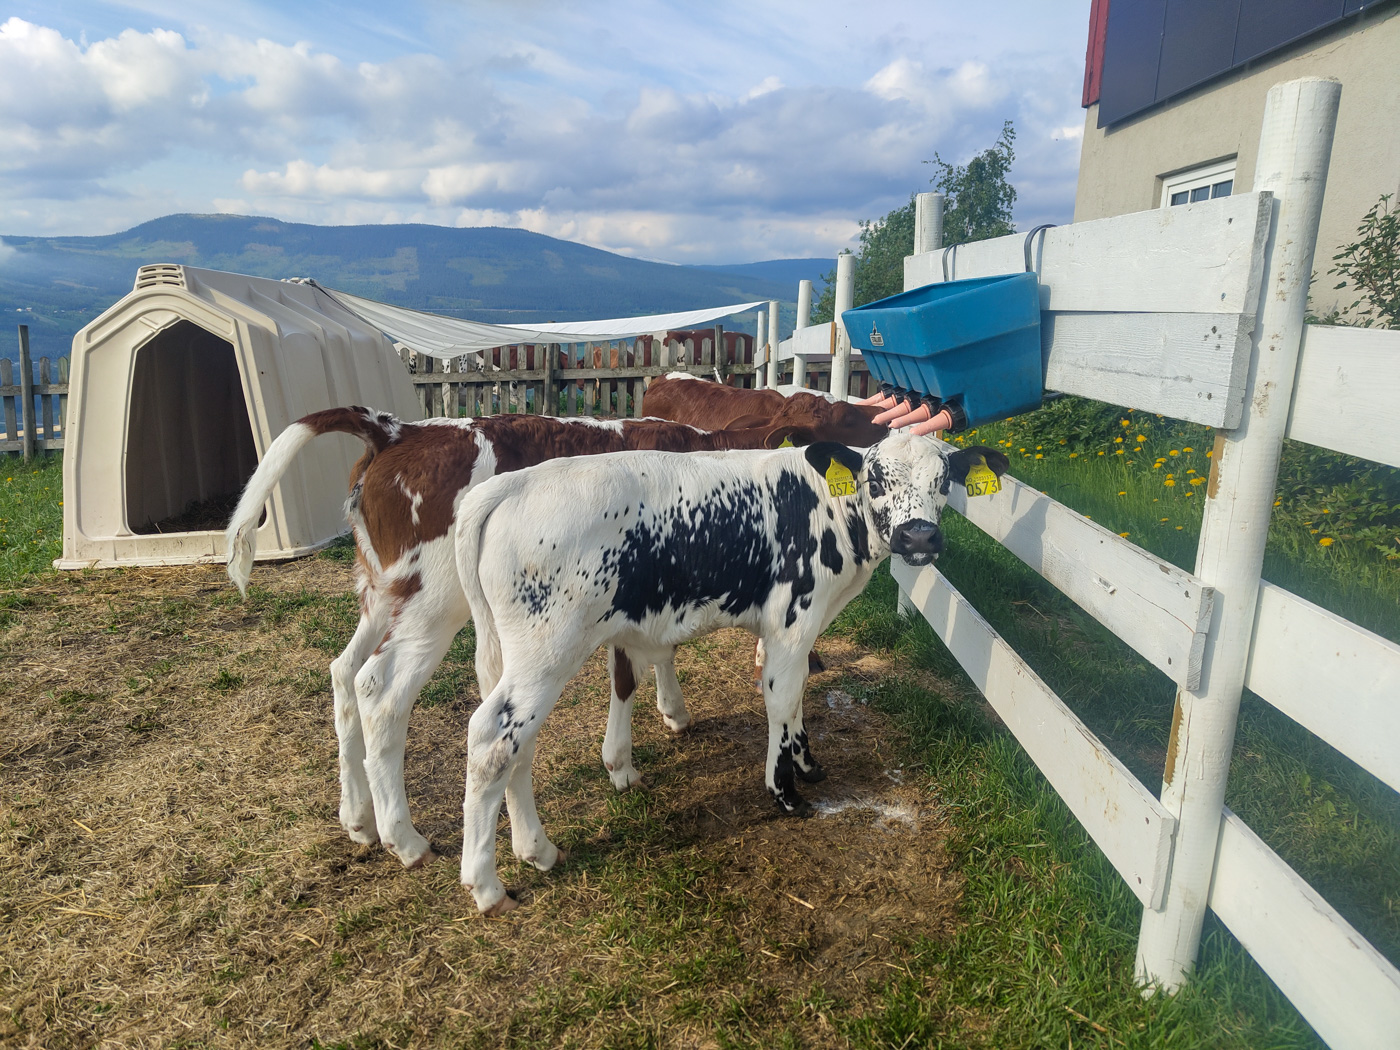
x=1371, y=268
x=977, y=206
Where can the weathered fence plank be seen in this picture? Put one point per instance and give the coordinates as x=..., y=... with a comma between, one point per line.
x=1158, y=609
x=1348, y=383
x=1347, y=990
x=1294, y=662
x=1122, y=816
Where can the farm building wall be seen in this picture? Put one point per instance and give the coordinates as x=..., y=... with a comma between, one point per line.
x=1123, y=167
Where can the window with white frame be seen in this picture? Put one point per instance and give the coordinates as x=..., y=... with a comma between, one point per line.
x=1199, y=184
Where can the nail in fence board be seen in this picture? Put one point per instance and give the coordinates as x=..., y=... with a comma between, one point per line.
x=1122, y=816
x=1152, y=310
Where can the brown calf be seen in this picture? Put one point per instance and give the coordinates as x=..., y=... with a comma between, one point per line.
x=812, y=417
x=402, y=506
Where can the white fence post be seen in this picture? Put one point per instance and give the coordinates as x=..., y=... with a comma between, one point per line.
x=760, y=346
x=804, y=318
x=928, y=222
x=845, y=295
x=772, y=343
x=1294, y=148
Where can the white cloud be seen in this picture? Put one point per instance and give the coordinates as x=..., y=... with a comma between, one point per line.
x=756, y=154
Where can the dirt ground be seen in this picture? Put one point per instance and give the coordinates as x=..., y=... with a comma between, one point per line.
x=172, y=872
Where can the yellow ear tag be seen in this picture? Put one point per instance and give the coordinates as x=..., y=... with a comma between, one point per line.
x=981, y=480
x=840, y=480
x=787, y=442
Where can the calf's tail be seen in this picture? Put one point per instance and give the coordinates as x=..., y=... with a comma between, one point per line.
x=472, y=517
x=378, y=430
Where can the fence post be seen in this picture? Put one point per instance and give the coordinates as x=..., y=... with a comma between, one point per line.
x=760, y=344
x=1294, y=148
x=772, y=343
x=804, y=318
x=928, y=222
x=26, y=394
x=549, y=387
x=845, y=295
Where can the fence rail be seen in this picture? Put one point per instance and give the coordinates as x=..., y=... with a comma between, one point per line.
x=30, y=428
x=1164, y=311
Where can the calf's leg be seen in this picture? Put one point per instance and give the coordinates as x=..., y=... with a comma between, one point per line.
x=669, y=700
x=784, y=677
x=387, y=686
x=500, y=741
x=356, y=802
x=617, y=741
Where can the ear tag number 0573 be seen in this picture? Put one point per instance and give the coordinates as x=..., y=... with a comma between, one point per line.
x=840, y=480
x=981, y=481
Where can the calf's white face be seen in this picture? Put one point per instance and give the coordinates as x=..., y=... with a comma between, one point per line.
x=904, y=482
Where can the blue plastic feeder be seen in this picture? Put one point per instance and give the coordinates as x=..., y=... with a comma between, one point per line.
x=973, y=345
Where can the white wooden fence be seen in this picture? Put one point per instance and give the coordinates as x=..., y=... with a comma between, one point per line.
x=1196, y=312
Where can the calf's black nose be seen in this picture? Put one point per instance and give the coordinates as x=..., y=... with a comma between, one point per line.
x=916, y=541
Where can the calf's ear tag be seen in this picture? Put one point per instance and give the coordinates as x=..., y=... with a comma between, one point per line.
x=787, y=442
x=840, y=480
x=981, y=480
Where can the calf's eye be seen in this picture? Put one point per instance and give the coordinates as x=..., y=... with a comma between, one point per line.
x=876, y=489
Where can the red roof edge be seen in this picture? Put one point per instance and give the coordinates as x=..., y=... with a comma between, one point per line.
x=1093, y=58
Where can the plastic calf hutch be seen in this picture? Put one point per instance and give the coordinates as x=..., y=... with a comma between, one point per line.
x=178, y=389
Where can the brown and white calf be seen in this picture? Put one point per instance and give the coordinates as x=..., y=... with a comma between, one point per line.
x=403, y=500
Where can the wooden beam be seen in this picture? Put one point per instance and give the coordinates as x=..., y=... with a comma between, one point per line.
x=1347, y=391
x=1296, y=663
x=1342, y=986
x=1122, y=816
x=1158, y=609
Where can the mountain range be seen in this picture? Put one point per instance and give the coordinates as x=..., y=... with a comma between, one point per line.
x=55, y=285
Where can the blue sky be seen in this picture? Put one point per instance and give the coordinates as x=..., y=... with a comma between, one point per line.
x=686, y=132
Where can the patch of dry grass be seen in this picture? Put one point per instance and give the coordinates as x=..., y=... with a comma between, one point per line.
x=172, y=872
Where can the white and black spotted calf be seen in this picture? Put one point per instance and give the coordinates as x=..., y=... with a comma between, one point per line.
x=645, y=550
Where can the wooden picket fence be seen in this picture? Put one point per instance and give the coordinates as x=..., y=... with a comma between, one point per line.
x=589, y=379
x=1197, y=313
x=30, y=429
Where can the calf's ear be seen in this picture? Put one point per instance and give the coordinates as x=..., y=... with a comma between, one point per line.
x=789, y=432
x=822, y=453
x=964, y=459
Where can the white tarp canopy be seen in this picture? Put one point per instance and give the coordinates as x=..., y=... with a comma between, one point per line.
x=449, y=337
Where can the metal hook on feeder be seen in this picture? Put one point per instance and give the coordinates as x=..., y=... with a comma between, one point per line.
x=954, y=249
x=1027, y=247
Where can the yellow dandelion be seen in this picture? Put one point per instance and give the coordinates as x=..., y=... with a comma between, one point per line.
x=1064, y=441
x=1100, y=452
x=1074, y=455
x=1039, y=455
x=1165, y=520
x=1169, y=483
x=1023, y=448
x=1039, y=447
x=1190, y=494
x=1190, y=470
x=1174, y=452
x=1122, y=493
x=1156, y=466
x=1124, y=535
x=1118, y=452
x=1187, y=448
x=1278, y=503
x=1198, y=481
x=1179, y=528
x=1313, y=532
x=1210, y=453
x=1326, y=511
x=1141, y=438
x=1124, y=422
x=1326, y=541
x=1118, y=441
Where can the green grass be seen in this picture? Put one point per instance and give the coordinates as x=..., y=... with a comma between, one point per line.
x=31, y=516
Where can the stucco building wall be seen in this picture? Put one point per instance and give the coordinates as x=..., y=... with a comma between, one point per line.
x=1122, y=167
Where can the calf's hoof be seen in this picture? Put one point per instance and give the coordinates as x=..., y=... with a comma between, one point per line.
x=423, y=861
x=505, y=904
x=677, y=725
x=814, y=775
x=802, y=808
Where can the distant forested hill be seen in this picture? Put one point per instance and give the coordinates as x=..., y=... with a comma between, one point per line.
x=57, y=284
